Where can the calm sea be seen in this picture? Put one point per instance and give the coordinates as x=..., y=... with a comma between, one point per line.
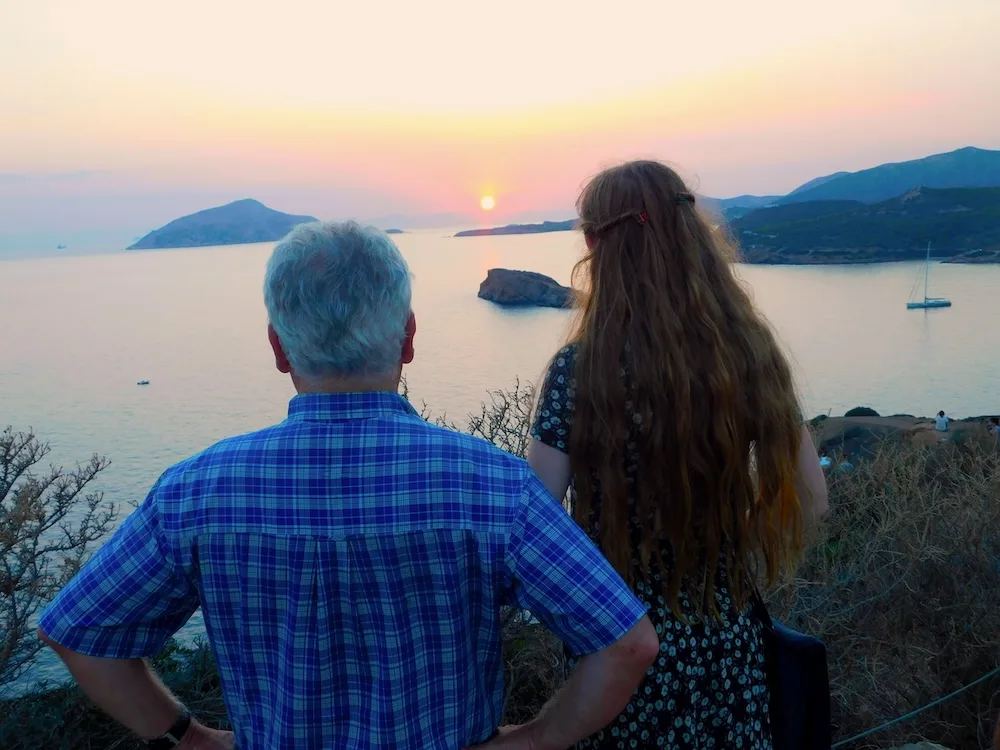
x=77, y=333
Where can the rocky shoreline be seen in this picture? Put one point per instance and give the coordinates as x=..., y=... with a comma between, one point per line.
x=855, y=437
x=976, y=256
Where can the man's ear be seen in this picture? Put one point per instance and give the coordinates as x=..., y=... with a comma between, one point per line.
x=280, y=360
x=411, y=331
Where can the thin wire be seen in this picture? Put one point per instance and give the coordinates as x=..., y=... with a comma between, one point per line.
x=920, y=710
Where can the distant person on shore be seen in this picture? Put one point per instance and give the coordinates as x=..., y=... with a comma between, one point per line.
x=941, y=422
x=649, y=416
x=993, y=427
x=350, y=562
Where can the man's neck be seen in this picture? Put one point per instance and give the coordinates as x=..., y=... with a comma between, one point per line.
x=347, y=385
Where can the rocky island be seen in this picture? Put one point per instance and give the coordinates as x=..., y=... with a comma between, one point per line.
x=241, y=222
x=524, y=289
x=545, y=226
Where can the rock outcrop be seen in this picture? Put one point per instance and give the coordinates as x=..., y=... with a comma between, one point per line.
x=524, y=289
x=861, y=437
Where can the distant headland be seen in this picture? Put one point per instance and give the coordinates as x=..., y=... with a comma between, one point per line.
x=962, y=225
x=882, y=214
x=545, y=226
x=241, y=222
x=967, y=167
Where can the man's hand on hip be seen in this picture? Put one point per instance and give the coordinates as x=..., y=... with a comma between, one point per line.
x=200, y=737
x=511, y=737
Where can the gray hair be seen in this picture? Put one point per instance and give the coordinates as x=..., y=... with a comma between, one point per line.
x=338, y=296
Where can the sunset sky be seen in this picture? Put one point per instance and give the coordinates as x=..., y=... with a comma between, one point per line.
x=117, y=116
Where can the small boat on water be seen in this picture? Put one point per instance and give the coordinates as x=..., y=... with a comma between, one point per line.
x=143, y=382
x=928, y=302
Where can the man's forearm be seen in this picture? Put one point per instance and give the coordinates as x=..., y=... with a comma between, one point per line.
x=125, y=689
x=595, y=693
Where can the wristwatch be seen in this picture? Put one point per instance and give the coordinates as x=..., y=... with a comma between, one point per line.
x=173, y=736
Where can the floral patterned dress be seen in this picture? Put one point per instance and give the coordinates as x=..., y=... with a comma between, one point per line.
x=707, y=688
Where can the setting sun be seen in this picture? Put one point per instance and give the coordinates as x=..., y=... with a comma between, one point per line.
x=487, y=203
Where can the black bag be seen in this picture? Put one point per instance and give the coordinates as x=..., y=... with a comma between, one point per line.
x=799, y=683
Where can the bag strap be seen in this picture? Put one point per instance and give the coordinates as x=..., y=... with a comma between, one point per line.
x=760, y=609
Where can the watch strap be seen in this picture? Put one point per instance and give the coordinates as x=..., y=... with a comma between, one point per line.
x=173, y=736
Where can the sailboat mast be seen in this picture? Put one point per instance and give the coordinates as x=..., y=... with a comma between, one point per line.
x=927, y=269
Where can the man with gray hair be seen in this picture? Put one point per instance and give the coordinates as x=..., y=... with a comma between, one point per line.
x=350, y=562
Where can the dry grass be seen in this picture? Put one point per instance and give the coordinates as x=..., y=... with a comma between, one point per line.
x=903, y=584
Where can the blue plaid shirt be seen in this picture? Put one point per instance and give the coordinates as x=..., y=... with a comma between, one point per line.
x=350, y=564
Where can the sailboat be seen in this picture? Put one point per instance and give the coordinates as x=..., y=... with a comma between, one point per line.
x=928, y=302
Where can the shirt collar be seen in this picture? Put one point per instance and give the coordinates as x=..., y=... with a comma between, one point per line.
x=324, y=407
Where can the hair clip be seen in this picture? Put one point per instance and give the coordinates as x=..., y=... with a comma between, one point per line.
x=642, y=218
x=683, y=198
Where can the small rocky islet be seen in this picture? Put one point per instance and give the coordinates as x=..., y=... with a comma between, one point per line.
x=510, y=288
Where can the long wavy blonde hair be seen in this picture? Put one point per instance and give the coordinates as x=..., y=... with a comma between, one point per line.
x=673, y=356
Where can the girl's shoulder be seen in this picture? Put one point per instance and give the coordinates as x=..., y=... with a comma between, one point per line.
x=564, y=358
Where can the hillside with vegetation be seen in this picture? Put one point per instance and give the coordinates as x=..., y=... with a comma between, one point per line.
x=955, y=221
x=902, y=582
x=965, y=167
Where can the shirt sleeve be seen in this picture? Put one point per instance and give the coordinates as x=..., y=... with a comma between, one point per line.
x=128, y=599
x=554, y=415
x=558, y=574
